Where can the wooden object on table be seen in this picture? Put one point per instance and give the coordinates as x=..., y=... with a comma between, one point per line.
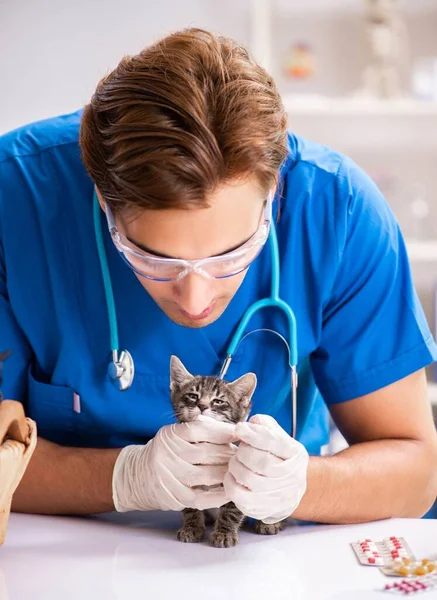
x=17, y=443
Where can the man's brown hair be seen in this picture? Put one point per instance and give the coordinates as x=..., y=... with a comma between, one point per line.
x=169, y=125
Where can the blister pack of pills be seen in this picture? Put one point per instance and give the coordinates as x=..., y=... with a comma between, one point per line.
x=406, y=567
x=382, y=553
x=405, y=587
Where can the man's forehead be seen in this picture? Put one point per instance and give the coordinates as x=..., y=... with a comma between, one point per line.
x=228, y=223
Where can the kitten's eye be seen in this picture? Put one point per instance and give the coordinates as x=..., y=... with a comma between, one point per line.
x=192, y=397
x=219, y=403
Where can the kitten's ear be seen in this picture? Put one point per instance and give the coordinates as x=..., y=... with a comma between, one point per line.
x=178, y=373
x=244, y=388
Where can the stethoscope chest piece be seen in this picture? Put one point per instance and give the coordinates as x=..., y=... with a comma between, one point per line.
x=121, y=370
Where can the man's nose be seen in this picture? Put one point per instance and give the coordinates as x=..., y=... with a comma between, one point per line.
x=195, y=293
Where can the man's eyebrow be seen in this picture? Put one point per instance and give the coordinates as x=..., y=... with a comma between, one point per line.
x=148, y=250
x=160, y=255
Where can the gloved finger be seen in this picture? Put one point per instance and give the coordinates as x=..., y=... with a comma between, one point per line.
x=206, y=430
x=246, y=501
x=248, y=479
x=272, y=424
x=179, y=494
x=204, y=500
x=203, y=475
x=176, y=496
x=195, y=453
x=202, y=453
x=264, y=438
x=268, y=507
x=205, y=453
x=266, y=420
x=260, y=461
x=271, y=467
x=276, y=518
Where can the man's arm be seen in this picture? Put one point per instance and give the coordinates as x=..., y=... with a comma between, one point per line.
x=174, y=470
x=62, y=480
x=390, y=468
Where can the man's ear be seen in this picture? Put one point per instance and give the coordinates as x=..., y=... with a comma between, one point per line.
x=244, y=388
x=100, y=199
x=178, y=373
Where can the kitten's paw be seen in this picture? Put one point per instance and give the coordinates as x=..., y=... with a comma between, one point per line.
x=191, y=534
x=264, y=529
x=223, y=540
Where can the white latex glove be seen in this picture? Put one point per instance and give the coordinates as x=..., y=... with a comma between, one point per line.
x=162, y=474
x=267, y=476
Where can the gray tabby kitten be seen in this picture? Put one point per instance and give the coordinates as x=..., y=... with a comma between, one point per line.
x=192, y=395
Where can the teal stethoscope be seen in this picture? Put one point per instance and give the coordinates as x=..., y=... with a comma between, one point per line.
x=121, y=369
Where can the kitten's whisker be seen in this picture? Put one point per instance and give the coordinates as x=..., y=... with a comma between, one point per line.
x=169, y=415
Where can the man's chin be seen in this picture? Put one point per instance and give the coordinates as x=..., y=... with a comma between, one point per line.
x=180, y=319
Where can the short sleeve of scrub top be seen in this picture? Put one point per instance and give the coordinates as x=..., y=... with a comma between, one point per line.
x=374, y=330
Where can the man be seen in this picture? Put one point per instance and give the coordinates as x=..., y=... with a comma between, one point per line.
x=185, y=145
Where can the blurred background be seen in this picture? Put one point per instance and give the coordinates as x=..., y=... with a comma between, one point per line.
x=357, y=75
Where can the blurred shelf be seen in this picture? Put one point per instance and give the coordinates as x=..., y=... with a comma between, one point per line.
x=422, y=251
x=324, y=7
x=314, y=105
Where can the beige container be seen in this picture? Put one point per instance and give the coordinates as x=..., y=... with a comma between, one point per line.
x=17, y=444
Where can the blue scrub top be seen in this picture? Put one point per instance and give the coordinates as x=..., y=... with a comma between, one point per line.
x=344, y=272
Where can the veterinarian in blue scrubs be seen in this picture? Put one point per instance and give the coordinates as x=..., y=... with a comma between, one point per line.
x=192, y=122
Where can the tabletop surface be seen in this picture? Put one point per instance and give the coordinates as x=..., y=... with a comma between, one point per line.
x=137, y=556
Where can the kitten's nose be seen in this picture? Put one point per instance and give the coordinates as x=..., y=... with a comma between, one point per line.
x=202, y=407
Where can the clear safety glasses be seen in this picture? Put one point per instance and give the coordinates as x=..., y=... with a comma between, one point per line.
x=171, y=269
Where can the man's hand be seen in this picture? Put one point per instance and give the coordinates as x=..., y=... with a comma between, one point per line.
x=267, y=476
x=172, y=470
